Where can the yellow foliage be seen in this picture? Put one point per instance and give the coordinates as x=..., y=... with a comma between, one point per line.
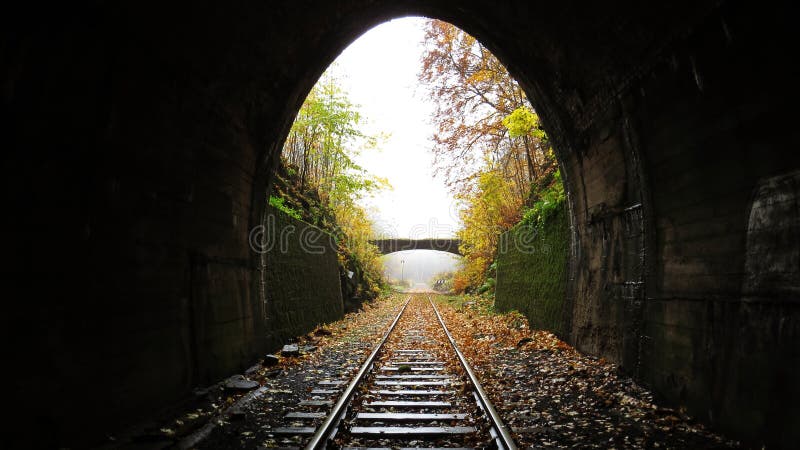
x=357, y=227
x=491, y=209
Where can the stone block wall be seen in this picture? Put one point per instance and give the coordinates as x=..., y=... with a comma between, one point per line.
x=302, y=278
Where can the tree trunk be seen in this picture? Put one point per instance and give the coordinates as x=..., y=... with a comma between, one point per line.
x=532, y=175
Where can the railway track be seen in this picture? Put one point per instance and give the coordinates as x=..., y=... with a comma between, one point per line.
x=415, y=390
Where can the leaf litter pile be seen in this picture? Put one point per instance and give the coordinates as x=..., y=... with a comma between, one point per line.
x=552, y=396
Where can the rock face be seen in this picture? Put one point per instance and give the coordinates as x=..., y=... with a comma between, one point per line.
x=139, y=149
x=303, y=286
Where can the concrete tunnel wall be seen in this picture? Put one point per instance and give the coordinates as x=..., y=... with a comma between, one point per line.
x=139, y=143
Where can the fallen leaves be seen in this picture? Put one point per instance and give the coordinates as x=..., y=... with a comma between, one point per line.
x=548, y=392
x=554, y=396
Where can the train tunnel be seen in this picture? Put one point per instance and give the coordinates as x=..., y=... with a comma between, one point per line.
x=140, y=140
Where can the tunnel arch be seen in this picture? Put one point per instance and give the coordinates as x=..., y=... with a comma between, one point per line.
x=561, y=124
x=143, y=145
x=356, y=25
x=569, y=120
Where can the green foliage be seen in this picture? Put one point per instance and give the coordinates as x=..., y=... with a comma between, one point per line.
x=324, y=138
x=442, y=282
x=487, y=286
x=548, y=203
x=480, y=304
x=319, y=156
x=278, y=203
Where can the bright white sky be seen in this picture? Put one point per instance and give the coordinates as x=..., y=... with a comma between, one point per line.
x=379, y=72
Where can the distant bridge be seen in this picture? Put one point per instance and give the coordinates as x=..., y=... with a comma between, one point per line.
x=386, y=246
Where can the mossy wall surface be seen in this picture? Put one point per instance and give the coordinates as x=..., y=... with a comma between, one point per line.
x=531, y=272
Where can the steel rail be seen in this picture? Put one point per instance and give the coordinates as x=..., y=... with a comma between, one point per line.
x=504, y=436
x=320, y=438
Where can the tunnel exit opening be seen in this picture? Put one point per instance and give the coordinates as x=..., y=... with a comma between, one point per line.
x=421, y=270
x=486, y=141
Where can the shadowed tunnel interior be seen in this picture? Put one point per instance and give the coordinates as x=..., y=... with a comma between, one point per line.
x=140, y=140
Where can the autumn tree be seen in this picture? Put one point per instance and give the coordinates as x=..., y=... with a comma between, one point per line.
x=324, y=139
x=490, y=208
x=475, y=98
x=488, y=144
